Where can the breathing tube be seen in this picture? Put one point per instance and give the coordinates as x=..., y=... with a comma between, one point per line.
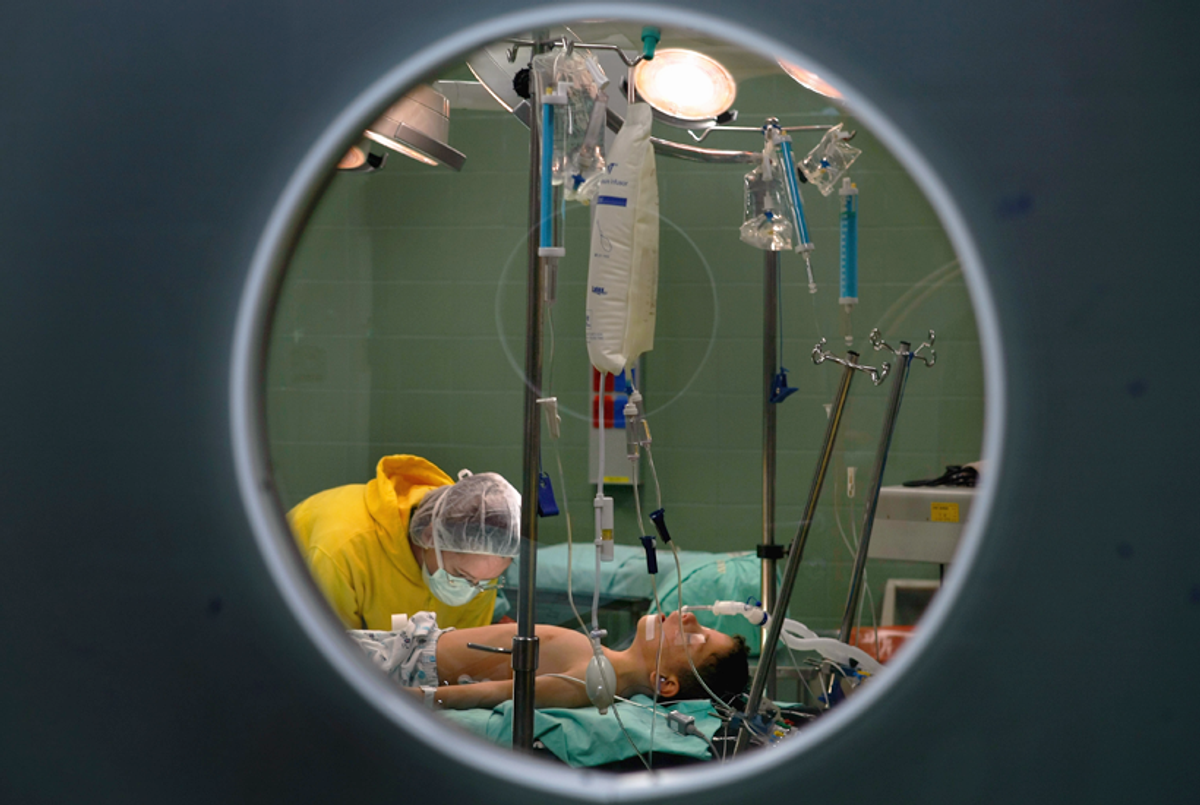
x=637, y=438
x=751, y=610
x=601, y=678
x=658, y=517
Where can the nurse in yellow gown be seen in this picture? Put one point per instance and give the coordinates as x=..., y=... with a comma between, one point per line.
x=411, y=540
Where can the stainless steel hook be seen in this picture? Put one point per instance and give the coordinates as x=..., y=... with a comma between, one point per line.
x=569, y=45
x=820, y=355
x=929, y=360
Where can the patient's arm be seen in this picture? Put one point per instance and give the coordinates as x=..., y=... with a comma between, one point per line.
x=549, y=691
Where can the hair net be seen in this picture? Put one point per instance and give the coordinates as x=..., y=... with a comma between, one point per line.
x=479, y=514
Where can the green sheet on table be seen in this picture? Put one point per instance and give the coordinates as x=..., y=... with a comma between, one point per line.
x=582, y=737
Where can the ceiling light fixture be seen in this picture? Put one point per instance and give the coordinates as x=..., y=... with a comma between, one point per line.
x=685, y=88
x=810, y=80
x=418, y=126
x=361, y=159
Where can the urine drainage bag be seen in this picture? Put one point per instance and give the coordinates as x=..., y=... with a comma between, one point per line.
x=623, y=267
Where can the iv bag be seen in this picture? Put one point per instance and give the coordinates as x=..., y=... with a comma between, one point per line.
x=586, y=166
x=829, y=160
x=579, y=124
x=623, y=267
x=766, y=223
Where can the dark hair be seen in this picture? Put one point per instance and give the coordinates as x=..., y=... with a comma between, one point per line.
x=725, y=674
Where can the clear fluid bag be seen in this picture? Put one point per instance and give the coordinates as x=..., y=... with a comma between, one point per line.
x=579, y=124
x=826, y=163
x=766, y=224
x=586, y=164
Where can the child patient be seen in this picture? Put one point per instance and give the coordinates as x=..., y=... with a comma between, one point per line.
x=438, y=665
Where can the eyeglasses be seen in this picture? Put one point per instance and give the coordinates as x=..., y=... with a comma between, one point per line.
x=481, y=586
x=487, y=584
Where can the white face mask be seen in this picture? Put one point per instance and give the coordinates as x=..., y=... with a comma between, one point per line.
x=448, y=589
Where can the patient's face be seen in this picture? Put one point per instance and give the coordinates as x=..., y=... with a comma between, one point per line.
x=679, y=636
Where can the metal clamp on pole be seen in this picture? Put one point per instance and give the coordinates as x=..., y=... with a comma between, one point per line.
x=524, y=653
x=820, y=355
x=766, y=660
x=878, y=343
x=568, y=45
x=906, y=355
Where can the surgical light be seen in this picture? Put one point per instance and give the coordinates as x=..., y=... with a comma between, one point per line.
x=353, y=158
x=361, y=159
x=418, y=126
x=810, y=80
x=686, y=88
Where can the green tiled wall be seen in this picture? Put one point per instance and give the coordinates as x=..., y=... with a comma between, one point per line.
x=402, y=326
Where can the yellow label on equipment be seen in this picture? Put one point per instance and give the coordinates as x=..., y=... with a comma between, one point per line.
x=943, y=512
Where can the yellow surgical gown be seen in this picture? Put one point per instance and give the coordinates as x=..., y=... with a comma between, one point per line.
x=355, y=539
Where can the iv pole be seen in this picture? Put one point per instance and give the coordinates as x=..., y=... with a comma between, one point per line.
x=525, y=642
x=768, y=551
x=779, y=612
x=895, y=398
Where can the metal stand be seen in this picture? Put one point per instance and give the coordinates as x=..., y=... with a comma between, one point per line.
x=769, y=551
x=779, y=611
x=525, y=643
x=905, y=354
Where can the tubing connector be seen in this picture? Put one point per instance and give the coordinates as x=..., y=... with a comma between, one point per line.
x=631, y=431
x=604, y=524
x=650, y=39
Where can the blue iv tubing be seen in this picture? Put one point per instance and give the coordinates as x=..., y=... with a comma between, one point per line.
x=793, y=186
x=547, y=229
x=849, y=242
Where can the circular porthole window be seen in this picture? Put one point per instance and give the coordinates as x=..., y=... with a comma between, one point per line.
x=792, y=387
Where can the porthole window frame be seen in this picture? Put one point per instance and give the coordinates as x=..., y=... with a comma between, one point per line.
x=249, y=434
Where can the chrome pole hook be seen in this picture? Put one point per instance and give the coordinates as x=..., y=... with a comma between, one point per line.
x=820, y=355
x=878, y=343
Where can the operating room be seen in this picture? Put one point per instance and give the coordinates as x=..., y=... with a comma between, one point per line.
x=948, y=400
x=403, y=322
